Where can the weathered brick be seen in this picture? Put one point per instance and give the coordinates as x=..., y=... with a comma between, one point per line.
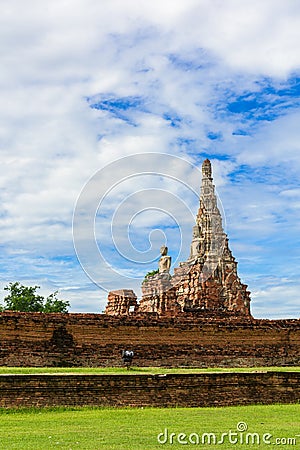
x=37, y=339
x=168, y=390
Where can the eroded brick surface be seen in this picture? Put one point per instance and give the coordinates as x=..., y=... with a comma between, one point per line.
x=121, y=302
x=186, y=390
x=37, y=339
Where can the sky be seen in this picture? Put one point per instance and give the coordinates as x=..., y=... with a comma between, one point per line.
x=108, y=110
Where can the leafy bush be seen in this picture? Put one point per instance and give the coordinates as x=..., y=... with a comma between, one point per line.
x=150, y=274
x=25, y=299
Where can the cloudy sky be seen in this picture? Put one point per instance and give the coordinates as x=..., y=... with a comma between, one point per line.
x=108, y=108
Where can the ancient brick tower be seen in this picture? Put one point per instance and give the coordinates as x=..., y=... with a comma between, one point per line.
x=207, y=283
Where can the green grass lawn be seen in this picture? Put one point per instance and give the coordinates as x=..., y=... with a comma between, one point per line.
x=139, y=428
x=138, y=370
x=134, y=428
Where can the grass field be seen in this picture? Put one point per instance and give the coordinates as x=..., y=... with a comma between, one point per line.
x=121, y=429
x=138, y=370
x=139, y=428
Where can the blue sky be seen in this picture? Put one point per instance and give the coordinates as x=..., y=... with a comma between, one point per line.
x=113, y=106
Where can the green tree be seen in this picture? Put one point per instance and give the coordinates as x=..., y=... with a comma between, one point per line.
x=54, y=305
x=26, y=299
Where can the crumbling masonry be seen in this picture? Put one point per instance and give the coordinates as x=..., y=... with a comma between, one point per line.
x=207, y=284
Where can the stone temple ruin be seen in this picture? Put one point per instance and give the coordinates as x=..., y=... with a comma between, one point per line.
x=207, y=284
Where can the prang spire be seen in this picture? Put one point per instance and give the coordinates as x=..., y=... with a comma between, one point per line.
x=211, y=269
x=208, y=235
x=206, y=168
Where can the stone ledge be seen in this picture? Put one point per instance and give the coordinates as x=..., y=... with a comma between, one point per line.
x=158, y=390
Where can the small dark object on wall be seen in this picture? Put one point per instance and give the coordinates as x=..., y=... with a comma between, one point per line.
x=127, y=356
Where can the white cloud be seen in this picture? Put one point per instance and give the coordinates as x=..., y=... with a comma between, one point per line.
x=284, y=298
x=185, y=60
x=275, y=142
x=256, y=37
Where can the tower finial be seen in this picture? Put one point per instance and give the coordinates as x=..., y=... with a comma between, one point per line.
x=206, y=168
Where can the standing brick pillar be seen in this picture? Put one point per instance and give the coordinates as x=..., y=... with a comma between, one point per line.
x=121, y=302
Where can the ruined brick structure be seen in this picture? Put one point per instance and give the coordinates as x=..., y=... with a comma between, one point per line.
x=121, y=302
x=207, y=283
x=142, y=390
x=187, y=340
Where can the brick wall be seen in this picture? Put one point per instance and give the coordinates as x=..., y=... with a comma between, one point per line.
x=36, y=339
x=191, y=390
